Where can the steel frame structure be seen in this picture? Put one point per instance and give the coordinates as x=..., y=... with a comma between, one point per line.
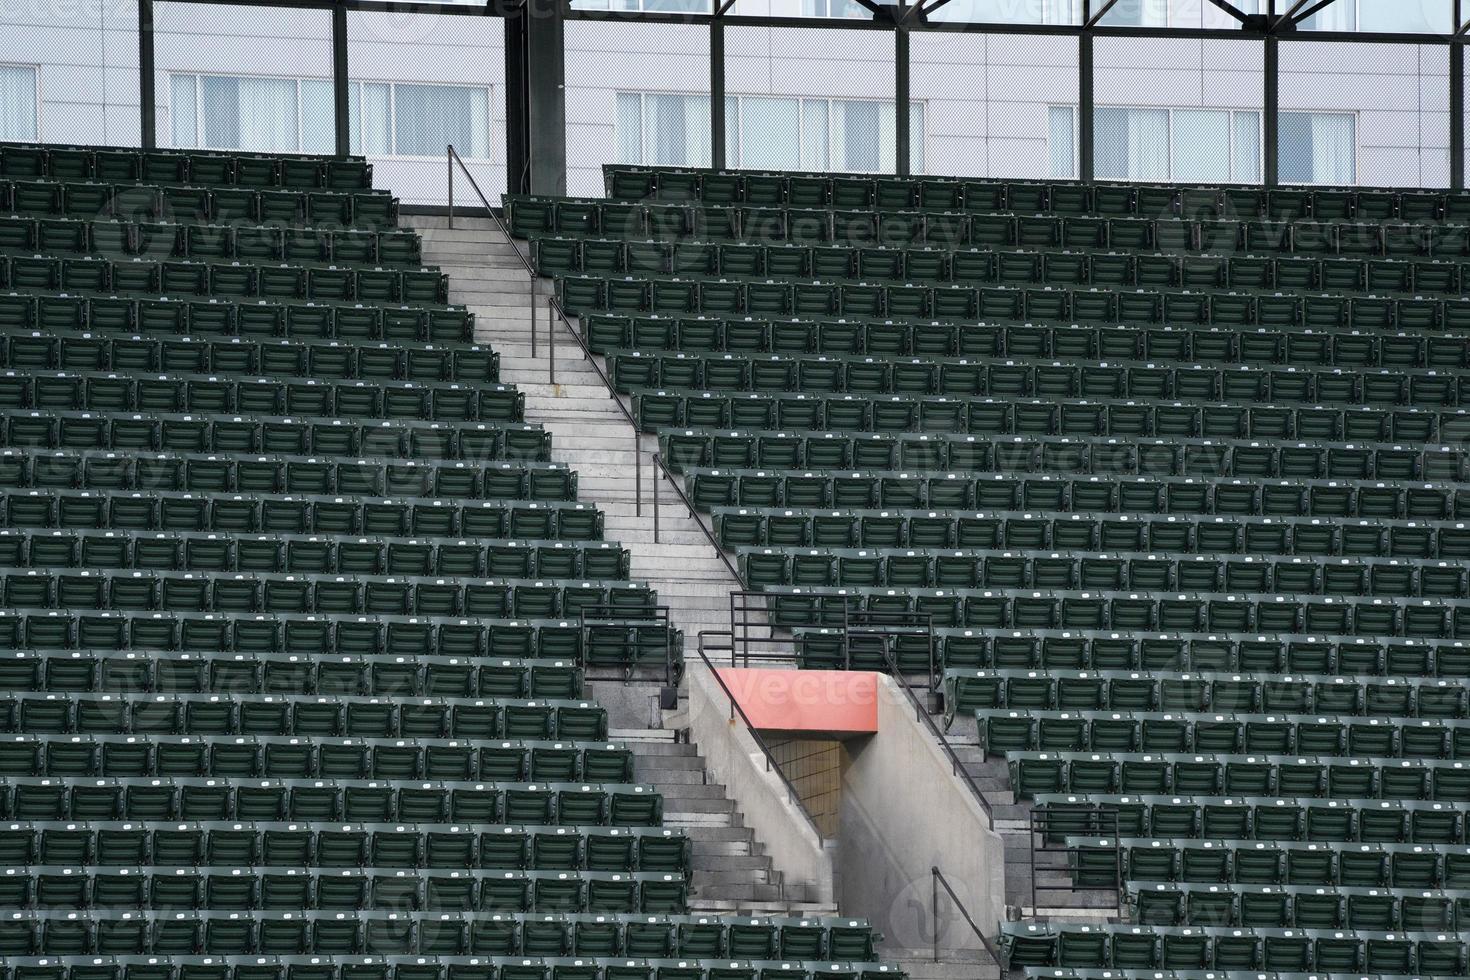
x=525, y=73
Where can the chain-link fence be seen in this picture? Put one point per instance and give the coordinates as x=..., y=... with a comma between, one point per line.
x=69, y=72
x=635, y=93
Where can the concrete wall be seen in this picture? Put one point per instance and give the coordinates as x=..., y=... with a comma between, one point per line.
x=733, y=758
x=904, y=812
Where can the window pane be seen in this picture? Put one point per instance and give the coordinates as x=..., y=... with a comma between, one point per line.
x=1246, y=160
x=916, y=138
x=221, y=112
x=181, y=109
x=318, y=116
x=630, y=127
x=1132, y=144
x=768, y=134
x=429, y=117
x=732, y=131
x=1317, y=148
x=1061, y=140
x=858, y=137
x=814, y=134
x=677, y=129
x=257, y=114
x=1201, y=145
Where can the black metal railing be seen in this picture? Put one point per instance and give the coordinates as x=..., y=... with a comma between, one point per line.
x=870, y=628
x=556, y=313
x=706, y=643
x=649, y=639
x=660, y=469
x=936, y=879
x=452, y=158
x=1057, y=866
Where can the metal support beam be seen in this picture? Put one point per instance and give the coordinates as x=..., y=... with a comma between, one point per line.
x=1301, y=15
x=717, y=93
x=1270, y=116
x=1230, y=9
x=546, y=95
x=901, y=100
x=1091, y=22
x=1085, y=108
x=517, y=110
x=147, y=98
x=1457, y=116
x=341, y=111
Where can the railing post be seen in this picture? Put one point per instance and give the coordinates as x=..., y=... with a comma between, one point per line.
x=550, y=336
x=637, y=476
x=934, y=909
x=655, y=475
x=449, y=161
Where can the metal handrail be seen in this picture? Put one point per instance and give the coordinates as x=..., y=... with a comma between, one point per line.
x=554, y=313
x=659, y=467
x=923, y=714
x=605, y=614
x=792, y=796
x=451, y=158
x=937, y=878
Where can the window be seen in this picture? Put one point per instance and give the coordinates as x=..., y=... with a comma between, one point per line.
x=834, y=8
x=413, y=120
x=646, y=6
x=858, y=135
x=1387, y=16
x=276, y=115
x=1061, y=140
x=661, y=129
x=18, y=103
x=1187, y=145
x=1031, y=12
x=1318, y=148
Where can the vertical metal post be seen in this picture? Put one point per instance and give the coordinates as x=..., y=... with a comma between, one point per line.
x=517, y=103
x=717, y=93
x=147, y=99
x=653, y=472
x=550, y=335
x=341, y=111
x=901, y=105
x=637, y=476
x=1457, y=111
x=1085, y=102
x=1270, y=114
x=449, y=159
x=934, y=910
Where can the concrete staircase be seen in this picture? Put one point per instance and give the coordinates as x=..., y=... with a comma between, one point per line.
x=588, y=431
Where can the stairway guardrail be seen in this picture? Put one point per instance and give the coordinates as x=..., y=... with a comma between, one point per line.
x=936, y=879
x=452, y=157
x=792, y=796
x=656, y=617
x=660, y=469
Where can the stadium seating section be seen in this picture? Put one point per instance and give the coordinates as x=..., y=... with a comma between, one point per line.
x=1176, y=473
x=292, y=661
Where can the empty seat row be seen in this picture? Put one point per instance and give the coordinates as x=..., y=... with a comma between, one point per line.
x=555, y=256
x=304, y=757
x=331, y=712
x=196, y=203
x=1009, y=378
x=1152, y=494
x=184, y=166
x=698, y=408
x=805, y=449
x=1070, y=649
x=152, y=798
x=90, y=350
x=1411, y=832
x=499, y=933
x=351, y=928
x=1205, y=691
x=322, y=240
x=1326, y=344
x=274, y=593
x=1002, y=730
x=1298, y=907
x=770, y=298
x=161, y=510
x=105, y=391
x=294, y=436
x=636, y=183
x=1203, y=948
x=211, y=552
x=1035, y=773
x=164, y=316
x=378, y=675
x=1017, y=530
x=24, y=468
x=1100, y=570
x=220, y=279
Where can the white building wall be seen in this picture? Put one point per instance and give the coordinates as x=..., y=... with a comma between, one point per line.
x=985, y=98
